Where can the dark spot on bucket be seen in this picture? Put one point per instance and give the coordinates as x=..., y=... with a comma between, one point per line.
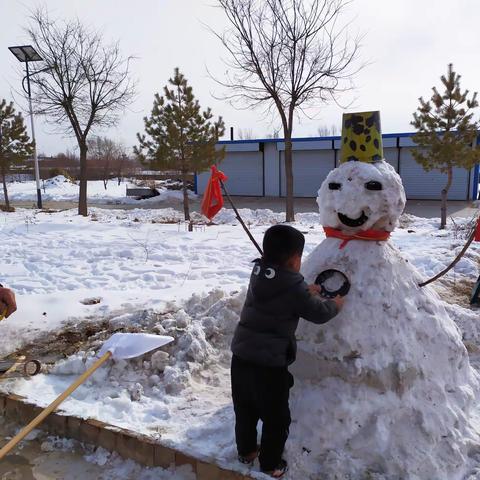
x=358, y=129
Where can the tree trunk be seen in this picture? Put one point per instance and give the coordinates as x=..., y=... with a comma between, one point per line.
x=186, y=206
x=82, y=198
x=5, y=192
x=290, y=213
x=443, y=220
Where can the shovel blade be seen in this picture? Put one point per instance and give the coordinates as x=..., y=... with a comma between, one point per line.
x=131, y=345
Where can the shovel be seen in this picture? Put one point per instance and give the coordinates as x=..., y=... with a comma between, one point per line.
x=118, y=346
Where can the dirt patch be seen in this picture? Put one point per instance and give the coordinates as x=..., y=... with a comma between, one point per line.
x=406, y=220
x=49, y=348
x=456, y=291
x=91, y=301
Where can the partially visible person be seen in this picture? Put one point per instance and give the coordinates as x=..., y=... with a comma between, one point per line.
x=8, y=304
x=264, y=346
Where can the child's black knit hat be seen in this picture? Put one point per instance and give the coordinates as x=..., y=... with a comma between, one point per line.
x=281, y=242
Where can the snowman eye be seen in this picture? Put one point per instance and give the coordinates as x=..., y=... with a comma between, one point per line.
x=373, y=185
x=269, y=273
x=256, y=270
x=334, y=186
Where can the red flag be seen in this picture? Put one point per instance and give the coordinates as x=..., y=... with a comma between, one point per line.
x=212, y=201
x=477, y=231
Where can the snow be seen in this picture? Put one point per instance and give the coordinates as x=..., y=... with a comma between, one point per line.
x=413, y=370
x=380, y=208
x=112, y=465
x=60, y=189
x=152, y=275
x=393, y=350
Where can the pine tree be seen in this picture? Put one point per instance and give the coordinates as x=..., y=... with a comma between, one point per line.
x=15, y=144
x=179, y=136
x=446, y=132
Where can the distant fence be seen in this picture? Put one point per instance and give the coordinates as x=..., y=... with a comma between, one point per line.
x=19, y=177
x=94, y=173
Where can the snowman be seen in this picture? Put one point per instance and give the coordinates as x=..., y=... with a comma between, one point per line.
x=386, y=387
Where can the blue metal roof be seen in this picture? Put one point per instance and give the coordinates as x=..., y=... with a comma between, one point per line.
x=307, y=139
x=315, y=139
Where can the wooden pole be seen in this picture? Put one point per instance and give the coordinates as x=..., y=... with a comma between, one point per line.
x=16, y=363
x=239, y=218
x=47, y=411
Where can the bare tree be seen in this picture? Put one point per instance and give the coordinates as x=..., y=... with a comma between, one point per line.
x=245, y=134
x=275, y=134
x=107, y=154
x=325, y=131
x=285, y=55
x=120, y=165
x=85, y=83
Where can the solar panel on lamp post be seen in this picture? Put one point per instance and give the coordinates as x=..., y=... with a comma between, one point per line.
x=26, y=54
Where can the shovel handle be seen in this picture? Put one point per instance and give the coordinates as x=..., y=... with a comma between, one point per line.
x=48, y=410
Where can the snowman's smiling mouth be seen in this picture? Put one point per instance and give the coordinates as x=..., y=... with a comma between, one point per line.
x=353, y=222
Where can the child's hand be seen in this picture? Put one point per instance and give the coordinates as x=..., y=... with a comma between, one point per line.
x=339, y=301
x=314, y=289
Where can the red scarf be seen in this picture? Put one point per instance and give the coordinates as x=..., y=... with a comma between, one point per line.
x=375, y=235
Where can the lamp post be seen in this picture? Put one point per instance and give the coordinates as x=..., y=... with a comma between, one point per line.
x=25, y=54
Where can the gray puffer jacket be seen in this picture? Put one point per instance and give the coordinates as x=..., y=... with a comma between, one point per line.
x=276, y=299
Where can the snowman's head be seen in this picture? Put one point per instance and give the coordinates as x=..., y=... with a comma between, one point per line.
x=358, y=196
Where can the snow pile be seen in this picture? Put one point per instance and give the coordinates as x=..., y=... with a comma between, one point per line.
x=262, y=216
x=388, y=385
x=58, y=181
x=388, y=390
x=116, y=467
x=152, y=275
x=113, y=466
x=175, y=393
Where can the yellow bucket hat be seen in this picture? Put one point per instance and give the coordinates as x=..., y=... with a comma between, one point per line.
x=361, y=137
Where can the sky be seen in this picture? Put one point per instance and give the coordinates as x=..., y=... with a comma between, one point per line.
x=406, y=47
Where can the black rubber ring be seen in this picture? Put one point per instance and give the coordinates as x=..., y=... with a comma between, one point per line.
x=38, y=367
x=324, y=276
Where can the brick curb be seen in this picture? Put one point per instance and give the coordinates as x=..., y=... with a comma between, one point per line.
x=128, y=444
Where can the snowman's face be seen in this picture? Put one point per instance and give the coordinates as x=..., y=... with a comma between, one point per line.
x=359, y=196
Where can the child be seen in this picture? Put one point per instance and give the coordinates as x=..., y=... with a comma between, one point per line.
x=264, y=345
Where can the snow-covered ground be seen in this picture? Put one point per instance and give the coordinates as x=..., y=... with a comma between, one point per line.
x=62, y=189
x=140, y=270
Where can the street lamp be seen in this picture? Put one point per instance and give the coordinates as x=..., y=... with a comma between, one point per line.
x=25, y=54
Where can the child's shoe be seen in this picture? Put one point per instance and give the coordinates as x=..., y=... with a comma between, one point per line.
x=248, y=459
x=279, y=471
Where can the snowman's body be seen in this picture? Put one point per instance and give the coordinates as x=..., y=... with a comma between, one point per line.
x=391, y=385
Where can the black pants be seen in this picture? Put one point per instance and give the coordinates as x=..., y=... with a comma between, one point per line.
x=261, y=393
